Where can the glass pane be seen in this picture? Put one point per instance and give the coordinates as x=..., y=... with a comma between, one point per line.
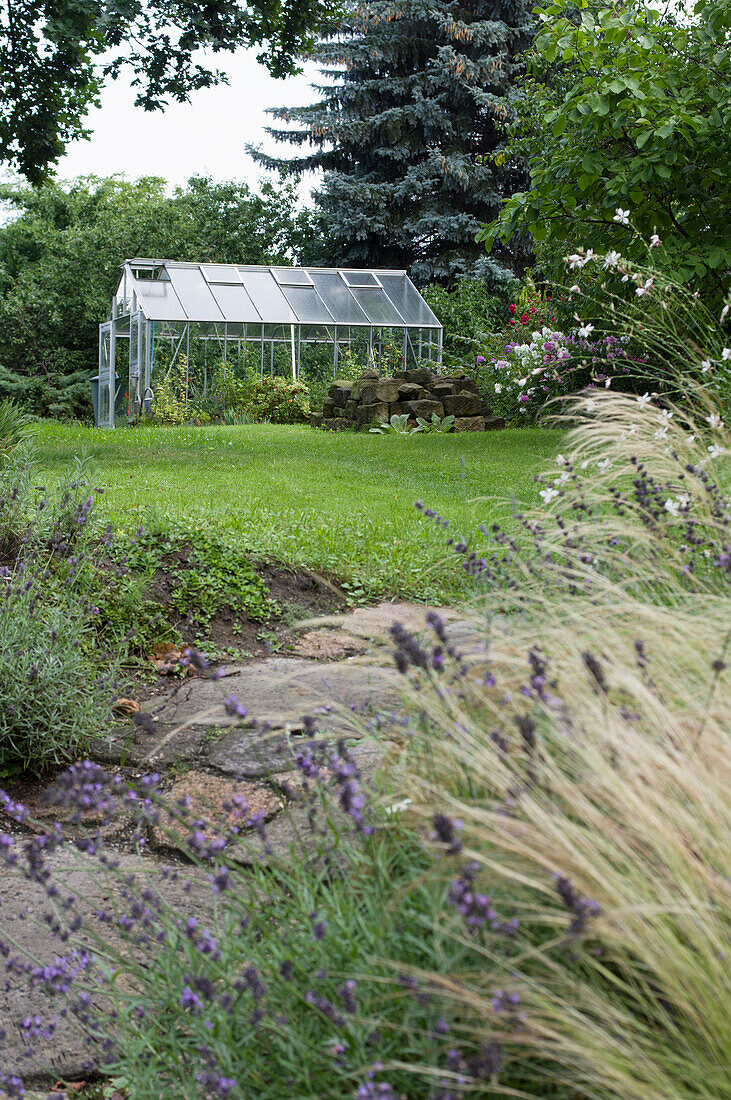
x=306, y=303
x=407, y=300
x=159, y=301
x=221, y=273
x=291, y=276
x=235, y=304
x=267, y=296
x=194, y=294
x=360, y=278
x=338, y=299
x=378, y=308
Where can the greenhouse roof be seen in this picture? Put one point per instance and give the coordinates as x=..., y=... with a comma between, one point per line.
x=169, y=291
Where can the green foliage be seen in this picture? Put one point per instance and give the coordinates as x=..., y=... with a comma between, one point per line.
x=436, y=424
x=52, y=699
x=397, y=425
x=60, y=253
x=14, y=428
x=468, y=312
x=251, y=399
x=420, y=94
x=50, y=54
x=200, y=574
x=629, y=108
x=170, y=405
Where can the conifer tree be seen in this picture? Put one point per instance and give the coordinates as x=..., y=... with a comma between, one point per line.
x=420, y=94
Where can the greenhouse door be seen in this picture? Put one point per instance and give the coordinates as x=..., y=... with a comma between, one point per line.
x=107, y=379
x=136, y=360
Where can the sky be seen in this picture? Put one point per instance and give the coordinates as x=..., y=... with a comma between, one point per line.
x=204, y=137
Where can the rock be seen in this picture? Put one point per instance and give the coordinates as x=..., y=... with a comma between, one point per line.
x=420, y=375
x=340, y=391
x=350, y=408
x=409, y=391
x=461, y=405
x=327, y=407
x=125, y=707
x=327, y=645
x=387, y=390
x=424, y=409
x=442, y=389
x=469, y=424
x=494, y=423
x=209, y=801
x=368, y=374
x=338, y=424
x=367, y=415
x=374, y=623
x=315, y=420
x=469, y=385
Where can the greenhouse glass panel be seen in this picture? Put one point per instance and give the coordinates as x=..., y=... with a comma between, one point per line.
x=234, y=302
x=338, y=299
x=306, y=304
x=159, y=300
x=268, y=298
x=291, y=276
x=221, y=273
x=195, y=295
x=378, y=307
x=408, y=301
x=360, y=278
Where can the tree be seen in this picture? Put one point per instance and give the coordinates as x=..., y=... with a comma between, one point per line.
x=637, y=116
x=51, y=72
x=421, y=92
x=60, y=259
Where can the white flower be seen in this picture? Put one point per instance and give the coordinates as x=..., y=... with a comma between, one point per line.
x=726, y=353
x=715, y=420
x=522, y=382
x=607, y=384
x=585, y=330
x=575, y=260
x=563, y=353
x=690, y=439
x=562, y=478
x=715, y=451
x=560, y=460
x=661, y=432
x=621, y=217
x=683, y=500
x=724, y=312
x=498, y=388
x=590, y=405
x=589, y=256
x=612, y=259
x=672, y=506
x=644, y=400
x=644, y=289
x=654, y=241
x=548, y=494
x=705, y=366
x=584, y=464
x=398, y=807
x=665, y=416
x=625, y=278
x=575, y=289
x=605, y=464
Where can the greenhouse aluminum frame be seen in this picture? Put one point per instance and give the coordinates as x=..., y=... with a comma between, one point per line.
x=162, y=299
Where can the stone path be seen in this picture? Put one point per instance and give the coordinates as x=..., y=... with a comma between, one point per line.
x=340, y=671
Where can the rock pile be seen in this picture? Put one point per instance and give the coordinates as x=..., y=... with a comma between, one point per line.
x=372, y=400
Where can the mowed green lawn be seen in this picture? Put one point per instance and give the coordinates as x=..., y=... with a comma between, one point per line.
x=343, y=503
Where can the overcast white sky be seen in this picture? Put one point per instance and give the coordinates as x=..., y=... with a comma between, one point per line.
x=204, y=137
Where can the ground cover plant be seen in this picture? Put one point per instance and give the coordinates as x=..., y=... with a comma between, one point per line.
x=340, y=504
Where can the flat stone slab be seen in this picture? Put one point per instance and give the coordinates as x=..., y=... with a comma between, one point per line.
x=215, y=801
x=252, y=756
x=22, y=905
x=374, y=623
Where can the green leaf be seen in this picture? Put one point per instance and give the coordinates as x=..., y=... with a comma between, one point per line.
x=559, y=126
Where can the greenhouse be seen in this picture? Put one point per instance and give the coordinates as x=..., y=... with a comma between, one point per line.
x=194, y=322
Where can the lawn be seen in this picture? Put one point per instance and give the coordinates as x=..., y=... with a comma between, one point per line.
x=337, y=502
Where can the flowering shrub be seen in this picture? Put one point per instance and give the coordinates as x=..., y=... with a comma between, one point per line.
x=271, y=398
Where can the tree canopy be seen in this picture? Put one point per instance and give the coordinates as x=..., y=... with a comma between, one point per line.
x=60, y=258
x=55, y=55
x=420, y=93
x=628, y=107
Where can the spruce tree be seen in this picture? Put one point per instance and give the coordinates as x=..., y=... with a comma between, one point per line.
x=421, y=93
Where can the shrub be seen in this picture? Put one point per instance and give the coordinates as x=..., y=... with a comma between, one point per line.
x=14, y=428
x=52, y=699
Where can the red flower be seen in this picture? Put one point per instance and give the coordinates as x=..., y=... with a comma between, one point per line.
x=524, y=319
x=532, y=309
x=548, y=297
x=512, y=307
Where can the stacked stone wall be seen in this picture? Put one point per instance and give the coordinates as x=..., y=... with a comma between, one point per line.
x=372, y=400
